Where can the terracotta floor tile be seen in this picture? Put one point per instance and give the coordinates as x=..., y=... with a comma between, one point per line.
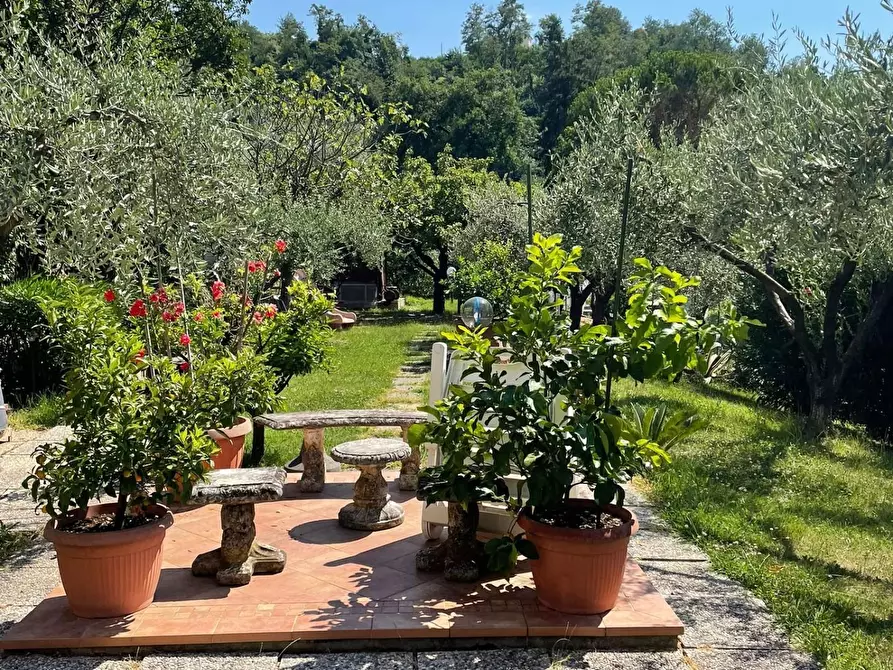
x=337, y=584
x=254, y=629
x=417, y=624
x=554, y=624
x=163, y=632
x=489, y=624
x=332, y=627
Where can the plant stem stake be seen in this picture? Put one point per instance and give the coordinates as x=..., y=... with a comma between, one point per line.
x=529, y=207
x=618, y=280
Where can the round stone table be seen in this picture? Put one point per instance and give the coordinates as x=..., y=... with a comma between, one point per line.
x=372, y=507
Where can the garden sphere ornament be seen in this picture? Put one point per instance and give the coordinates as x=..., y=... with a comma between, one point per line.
x=477, y=312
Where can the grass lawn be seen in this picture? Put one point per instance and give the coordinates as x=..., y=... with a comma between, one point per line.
x=365, y=361
x=43, y=412
x=807, y=527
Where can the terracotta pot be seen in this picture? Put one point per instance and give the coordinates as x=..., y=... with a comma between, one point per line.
x=113, y=573
x=231, y=442
x=580, y=571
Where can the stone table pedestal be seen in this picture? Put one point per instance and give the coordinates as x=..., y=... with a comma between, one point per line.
x=372, y=507
x=240, y=554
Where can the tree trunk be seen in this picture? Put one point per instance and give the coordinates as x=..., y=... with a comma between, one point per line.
x=579, y=295
x=822, y=398
x=443, y=260
x=600, y=304
x=439, y=306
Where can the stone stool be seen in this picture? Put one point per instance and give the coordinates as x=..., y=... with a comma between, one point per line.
x=372, y=507
x=240, y=555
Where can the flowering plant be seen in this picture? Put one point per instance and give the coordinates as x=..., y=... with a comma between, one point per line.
x=137, y=437
x=242, y=331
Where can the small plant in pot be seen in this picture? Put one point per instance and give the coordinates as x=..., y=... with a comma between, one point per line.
x=554, y=428
x=138, y=439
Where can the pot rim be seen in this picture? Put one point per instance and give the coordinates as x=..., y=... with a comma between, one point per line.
x=112, y=537
x=242, y=426
x=628, y=527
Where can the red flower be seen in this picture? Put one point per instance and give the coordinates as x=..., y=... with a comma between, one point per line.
x=256, y=266
x=217, y=289
x=248, y=302
x=138, y=308
x=185, y=340
x=277, y=274
x=217, y=314
x=271, y=311
x=158, y=296
x=252, y=266
x=199, y=317
x=258, y=317
x=140, y=356
x=184, y=366
x=281, y=246
x=109, y=296
x=179, y=308
x=169, y=317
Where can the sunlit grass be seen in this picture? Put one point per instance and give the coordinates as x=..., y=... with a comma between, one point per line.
x=807, y=526
x=42, y=412
x=365, y=361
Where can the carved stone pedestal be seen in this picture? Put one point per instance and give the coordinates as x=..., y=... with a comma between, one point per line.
x=240, y=555
x=372, y=507
x=461, y=556
x=409, y=470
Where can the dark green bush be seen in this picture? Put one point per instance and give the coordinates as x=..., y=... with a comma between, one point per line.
x=493, y=273
x=29, y=364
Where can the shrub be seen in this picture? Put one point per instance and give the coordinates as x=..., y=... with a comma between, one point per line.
x=493, y=273
x=138, y=422
x=29, y=363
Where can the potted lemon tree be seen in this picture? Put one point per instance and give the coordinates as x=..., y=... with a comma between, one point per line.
x=555, y=428
x=138, y=439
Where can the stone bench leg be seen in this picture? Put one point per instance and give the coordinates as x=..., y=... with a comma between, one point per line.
x=409, y=471
x=313, y=456
x=372, y=507
x=240, y=556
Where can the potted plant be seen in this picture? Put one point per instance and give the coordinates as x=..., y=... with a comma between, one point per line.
x=138, y=438
x=554, y=428
x=239, y=346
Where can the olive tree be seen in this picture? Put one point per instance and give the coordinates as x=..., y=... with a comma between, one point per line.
x=110, y=166
x=791, y=186
x=585, y=199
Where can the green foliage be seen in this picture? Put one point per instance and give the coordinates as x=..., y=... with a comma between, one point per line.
x=553, y=427
x=30, y=364
x=656, y=424
x=138, y=425
x=493, y=273
x=302, y=341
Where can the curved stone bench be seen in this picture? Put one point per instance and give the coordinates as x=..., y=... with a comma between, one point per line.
x=313, y=453
x=372, y=507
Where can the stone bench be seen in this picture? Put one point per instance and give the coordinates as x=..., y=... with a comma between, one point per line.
x=313, y=424
x=240, y=555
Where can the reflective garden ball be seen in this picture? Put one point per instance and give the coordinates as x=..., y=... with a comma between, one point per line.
x=476, y=312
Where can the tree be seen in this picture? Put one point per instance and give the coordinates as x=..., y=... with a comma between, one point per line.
x=113, y=167
x=791, y=185
x=556, y=89
x=202, y=33
x=685, y=87
x=584, y=203
x=430, y=204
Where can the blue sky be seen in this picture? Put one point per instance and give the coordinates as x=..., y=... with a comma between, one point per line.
x=429, y=26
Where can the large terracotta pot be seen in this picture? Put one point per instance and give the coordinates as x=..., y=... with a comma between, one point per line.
x=580, y=571
x=231, y=442
x=112, y=573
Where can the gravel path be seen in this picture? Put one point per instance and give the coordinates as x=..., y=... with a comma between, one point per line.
x=726, y=627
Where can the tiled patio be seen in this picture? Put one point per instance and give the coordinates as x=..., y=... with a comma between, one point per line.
x=338, y=585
